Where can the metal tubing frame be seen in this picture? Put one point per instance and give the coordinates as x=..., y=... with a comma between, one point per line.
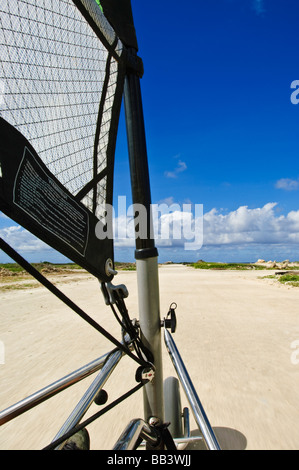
x=195, y=404
x=89, y=396
x=139, y=429
x=51, y=390
x=150, y=330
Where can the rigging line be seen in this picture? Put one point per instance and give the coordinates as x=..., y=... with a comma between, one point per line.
x=52, y=288
x=139, y=347
x=128, y=329
x=127, y=323
x=97, y=415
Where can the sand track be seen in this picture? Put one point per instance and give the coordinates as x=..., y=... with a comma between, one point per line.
x=235, y=334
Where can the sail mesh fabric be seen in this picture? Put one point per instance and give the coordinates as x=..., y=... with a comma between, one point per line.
x=58, y=83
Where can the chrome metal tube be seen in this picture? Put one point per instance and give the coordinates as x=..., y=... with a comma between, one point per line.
x=135, y=429
x=51, y=390
x=195, y=404
x=150, y=329
x=88, y=398
x=186, y=422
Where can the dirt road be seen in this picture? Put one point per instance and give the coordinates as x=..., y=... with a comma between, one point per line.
x=235, y=334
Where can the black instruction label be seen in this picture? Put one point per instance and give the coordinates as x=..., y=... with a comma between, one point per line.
x=36, y=193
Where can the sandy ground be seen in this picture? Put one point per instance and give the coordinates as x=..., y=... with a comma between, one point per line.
x=235, y=333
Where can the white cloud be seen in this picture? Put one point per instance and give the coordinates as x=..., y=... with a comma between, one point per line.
x=241, y=227
x=287, y=184
x=22, y=240
x=235, y=230
x=181, y=166
x=251, y=226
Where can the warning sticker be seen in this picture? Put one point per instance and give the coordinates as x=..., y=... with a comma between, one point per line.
x=55, y=210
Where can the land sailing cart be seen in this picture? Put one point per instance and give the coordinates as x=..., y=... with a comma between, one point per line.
x=66, y=66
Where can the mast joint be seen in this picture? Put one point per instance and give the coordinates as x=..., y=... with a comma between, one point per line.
x=134, y=63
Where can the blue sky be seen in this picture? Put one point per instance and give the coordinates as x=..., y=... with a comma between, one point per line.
x=221, y=128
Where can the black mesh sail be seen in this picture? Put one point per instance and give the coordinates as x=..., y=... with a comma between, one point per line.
x=61, y=82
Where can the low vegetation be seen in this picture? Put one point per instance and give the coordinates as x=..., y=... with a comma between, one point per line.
x=13, y=276
x=290, y=279
x=238, y=266
x=125, y=266
x=14, y=268
x=11, y=269
x=216, y=266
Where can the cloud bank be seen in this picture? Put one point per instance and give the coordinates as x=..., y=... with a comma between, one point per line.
x=243, y=227
x=22, y=240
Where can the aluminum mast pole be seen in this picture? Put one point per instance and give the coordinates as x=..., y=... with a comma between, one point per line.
x=146, y=253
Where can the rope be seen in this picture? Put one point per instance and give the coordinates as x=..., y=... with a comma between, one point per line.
x=128, y=328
